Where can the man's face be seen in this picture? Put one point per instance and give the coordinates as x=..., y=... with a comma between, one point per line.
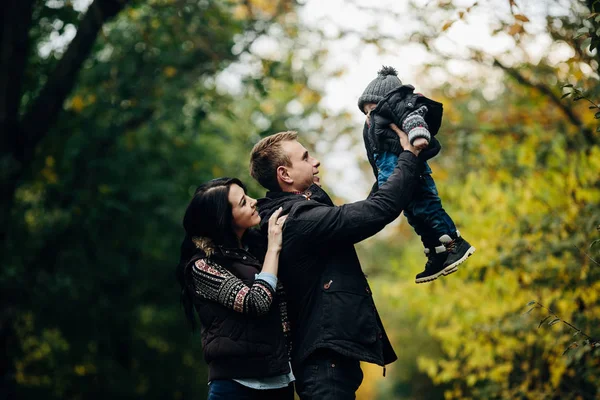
x=304, y=168
x=367, y=108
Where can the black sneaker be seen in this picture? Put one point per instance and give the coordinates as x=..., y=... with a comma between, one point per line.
x=458, y=251
x=434, y=268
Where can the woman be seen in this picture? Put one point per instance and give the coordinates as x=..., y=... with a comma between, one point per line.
x=243, y=319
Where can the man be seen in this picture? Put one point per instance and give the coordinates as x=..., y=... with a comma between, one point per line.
x=334, y=321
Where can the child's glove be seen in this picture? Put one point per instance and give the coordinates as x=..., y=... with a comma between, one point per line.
x=415, y=126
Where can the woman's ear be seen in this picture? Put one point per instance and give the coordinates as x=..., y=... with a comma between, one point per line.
x=283, y=175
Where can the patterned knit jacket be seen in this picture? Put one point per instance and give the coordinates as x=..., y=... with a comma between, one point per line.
x=244, y=322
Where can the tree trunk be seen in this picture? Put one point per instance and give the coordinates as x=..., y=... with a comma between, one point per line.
x=20, y=136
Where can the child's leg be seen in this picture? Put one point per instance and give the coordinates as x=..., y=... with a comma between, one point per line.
x=426, y=214
x=445, y=248
x=385, y=162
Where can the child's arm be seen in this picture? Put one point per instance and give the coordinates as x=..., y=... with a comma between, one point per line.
x=385, y=159
x=416, y=128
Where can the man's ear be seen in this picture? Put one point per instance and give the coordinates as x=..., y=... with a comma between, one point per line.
x=283, y=175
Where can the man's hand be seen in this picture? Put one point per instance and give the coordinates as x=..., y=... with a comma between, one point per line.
x=404, y=140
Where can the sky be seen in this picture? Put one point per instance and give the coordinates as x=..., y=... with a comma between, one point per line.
x=361, y=62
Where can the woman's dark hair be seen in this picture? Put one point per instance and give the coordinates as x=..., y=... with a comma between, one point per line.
x=209, y=216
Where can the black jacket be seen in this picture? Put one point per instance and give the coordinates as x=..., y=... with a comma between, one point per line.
x=329, y=300
x=238, y=345
x=395, y=107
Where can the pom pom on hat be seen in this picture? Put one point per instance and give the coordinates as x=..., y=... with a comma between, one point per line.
x=387, y=80
x=387, y=71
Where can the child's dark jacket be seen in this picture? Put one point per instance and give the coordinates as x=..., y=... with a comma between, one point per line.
x=395, y=107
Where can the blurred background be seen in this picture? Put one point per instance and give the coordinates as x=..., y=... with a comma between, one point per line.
x=113, y=111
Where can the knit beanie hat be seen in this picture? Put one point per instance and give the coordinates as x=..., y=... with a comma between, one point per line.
x=387, y=80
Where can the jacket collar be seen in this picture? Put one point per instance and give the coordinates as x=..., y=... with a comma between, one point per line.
x=314, y=192
x=211, y=250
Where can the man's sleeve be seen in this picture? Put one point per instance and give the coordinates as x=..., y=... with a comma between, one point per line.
x=357, y=221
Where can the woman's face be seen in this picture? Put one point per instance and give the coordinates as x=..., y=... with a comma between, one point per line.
x=243, y=210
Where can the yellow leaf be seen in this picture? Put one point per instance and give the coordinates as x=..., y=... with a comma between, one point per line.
x=77, y=103
x=240, y=12
x=170, y=72
x=447, y=25
x=521, y=18
x=516, y=28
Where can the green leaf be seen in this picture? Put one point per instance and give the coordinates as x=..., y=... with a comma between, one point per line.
x=566, y=95
x=592, y=107
x=554, y=321
x=567, y=85
x=544, y=320
x=532, y=302
x=597, y=115
x=577, y=98
x=585, y=44
x=598, y=129
x=571, y=346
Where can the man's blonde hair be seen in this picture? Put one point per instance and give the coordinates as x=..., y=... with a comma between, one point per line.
x=267, y=155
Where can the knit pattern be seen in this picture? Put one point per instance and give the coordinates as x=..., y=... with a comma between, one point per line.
x=215, y=283
x=386, y=80
x=416, y=127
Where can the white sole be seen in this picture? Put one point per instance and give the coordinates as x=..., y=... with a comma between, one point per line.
x=449, y=269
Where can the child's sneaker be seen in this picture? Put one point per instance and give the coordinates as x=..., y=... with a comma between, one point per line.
x=458, y=250
x=435, y=267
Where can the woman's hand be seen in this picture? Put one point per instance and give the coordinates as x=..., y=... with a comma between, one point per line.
x=275, y=234
x=404, y=142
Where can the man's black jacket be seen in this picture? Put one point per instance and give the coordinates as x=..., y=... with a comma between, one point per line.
x=329, y=300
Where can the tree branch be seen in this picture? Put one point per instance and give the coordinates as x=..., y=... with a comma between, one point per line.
x=14, y=51
x=571, y=116
x=47, y=106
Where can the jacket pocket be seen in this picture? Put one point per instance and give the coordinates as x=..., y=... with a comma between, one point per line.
x=348, y=312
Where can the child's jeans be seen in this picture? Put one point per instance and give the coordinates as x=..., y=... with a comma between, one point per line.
x=425, y=212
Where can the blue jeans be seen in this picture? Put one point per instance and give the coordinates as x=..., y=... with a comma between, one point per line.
x=227, y=389
x=425, y=212
x=327, y=375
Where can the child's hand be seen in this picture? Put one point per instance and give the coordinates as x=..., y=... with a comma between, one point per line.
x=432, y=150
x=421, y=143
